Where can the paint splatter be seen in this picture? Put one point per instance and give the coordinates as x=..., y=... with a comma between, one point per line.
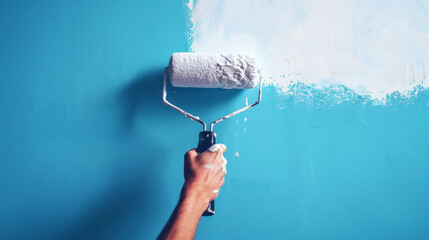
x=237, y=154
x=374, y=48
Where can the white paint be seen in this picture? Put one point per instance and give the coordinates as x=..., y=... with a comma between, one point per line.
x=190, y=4
x=216, y=147
x=207, y=70
x=371, y=47
x=245, y=119
x=237, y=154
x=211, y=166
x=224, y=164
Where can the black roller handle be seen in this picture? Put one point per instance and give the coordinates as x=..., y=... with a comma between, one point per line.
x=206, y=140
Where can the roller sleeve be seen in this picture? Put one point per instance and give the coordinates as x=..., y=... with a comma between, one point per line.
x=204, y=70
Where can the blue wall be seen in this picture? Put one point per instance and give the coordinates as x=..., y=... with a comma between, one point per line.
x=88, y=150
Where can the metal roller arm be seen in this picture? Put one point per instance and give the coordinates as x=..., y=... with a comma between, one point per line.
x=242, y=109
x=195, y=118
x=164, y=99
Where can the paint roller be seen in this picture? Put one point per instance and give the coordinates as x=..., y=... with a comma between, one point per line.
x=205, y=70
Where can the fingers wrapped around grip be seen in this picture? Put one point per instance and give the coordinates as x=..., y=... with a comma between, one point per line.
x=206, y=170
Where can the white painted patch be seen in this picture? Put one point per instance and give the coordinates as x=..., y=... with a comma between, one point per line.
x=191, y=4
x=371, y=47
x=237, y=154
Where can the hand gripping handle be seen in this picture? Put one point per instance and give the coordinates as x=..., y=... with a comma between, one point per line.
x=206, y=140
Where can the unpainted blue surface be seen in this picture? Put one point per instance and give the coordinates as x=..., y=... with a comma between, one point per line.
x=88, y=150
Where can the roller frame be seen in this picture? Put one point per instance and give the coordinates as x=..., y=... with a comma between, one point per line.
x=196, y=118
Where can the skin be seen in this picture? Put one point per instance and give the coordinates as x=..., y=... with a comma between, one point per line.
x=197, y=192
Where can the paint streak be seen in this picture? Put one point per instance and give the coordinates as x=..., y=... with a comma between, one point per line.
x=374, y=48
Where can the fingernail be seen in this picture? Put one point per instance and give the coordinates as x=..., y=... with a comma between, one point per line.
x=215, y=191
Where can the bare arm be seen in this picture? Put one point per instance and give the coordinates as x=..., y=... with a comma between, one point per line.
x=204, y=175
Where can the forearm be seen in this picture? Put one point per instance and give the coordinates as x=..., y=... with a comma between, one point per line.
x=184, y=220
x=204, y=176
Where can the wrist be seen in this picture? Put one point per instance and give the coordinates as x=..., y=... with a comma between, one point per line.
x=196, y=196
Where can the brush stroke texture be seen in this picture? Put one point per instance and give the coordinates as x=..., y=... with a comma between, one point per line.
x=372, y=47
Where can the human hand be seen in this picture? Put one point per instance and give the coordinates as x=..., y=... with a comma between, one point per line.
x=205, y=173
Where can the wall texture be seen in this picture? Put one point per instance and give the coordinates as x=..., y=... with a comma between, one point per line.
x=88, y=151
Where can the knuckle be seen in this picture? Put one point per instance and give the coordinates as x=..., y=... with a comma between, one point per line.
x=189, y=154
